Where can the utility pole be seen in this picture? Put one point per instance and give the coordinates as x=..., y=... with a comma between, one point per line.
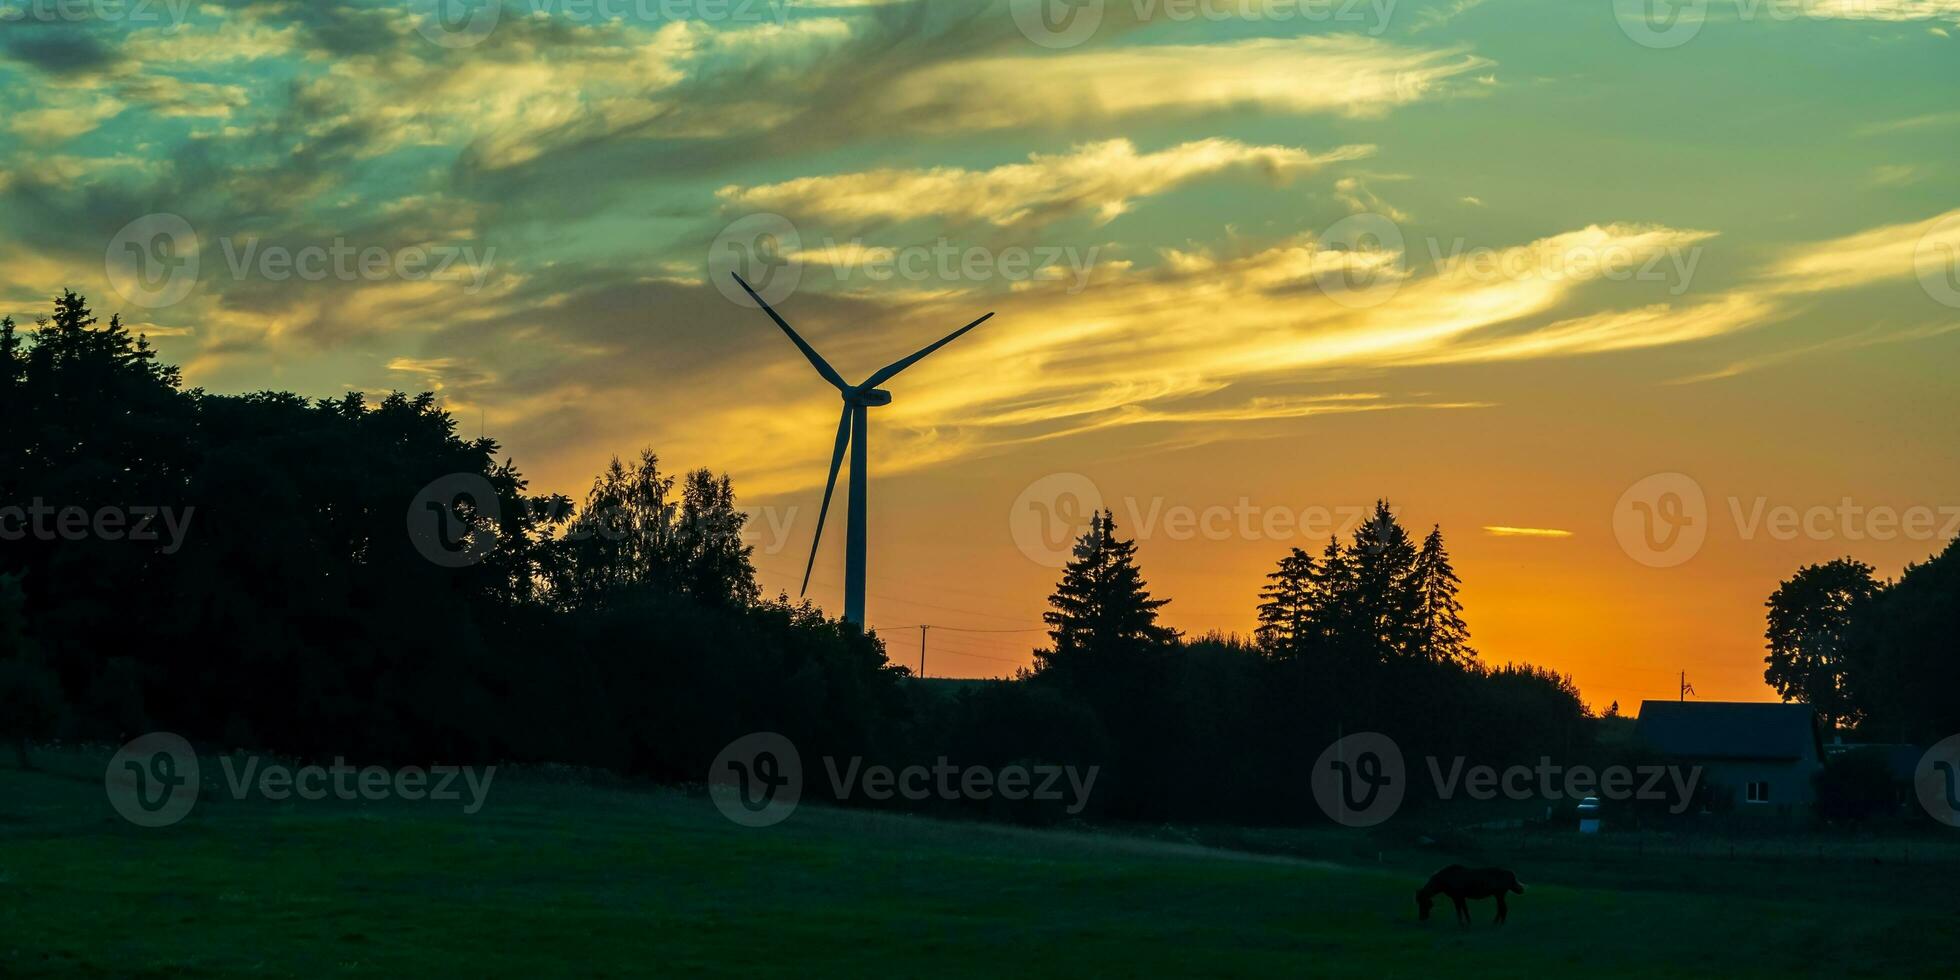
x=1686, y=688
x=922, y=650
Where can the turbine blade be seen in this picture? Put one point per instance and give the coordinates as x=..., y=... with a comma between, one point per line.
x=887, y=373
x=836, y=460
x=816, y=361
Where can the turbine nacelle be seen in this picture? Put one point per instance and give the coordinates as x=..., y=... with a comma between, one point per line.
x=869, y=398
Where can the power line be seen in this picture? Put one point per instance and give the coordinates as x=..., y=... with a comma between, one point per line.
x=925, y=628
x=961, y=629
x=982, y=656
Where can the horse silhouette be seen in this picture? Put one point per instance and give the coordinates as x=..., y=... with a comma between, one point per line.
x=1461, y=883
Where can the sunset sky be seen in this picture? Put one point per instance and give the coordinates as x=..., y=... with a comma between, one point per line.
x=1538, y=271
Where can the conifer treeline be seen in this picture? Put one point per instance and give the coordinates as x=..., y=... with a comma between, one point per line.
x=1370, y=637
x=1377, y=598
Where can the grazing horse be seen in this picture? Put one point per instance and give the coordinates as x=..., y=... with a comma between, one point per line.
x=1461, y=883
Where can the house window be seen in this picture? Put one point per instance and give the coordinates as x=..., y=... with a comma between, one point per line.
x=1758, y=792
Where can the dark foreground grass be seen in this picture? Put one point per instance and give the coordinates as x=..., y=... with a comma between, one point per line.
x=555, y=877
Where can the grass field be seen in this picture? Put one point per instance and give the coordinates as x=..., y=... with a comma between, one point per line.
x=557, y=876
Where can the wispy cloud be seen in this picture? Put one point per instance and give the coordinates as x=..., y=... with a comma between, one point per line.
x=1884, y=10
x=1872, y=337
x=1507, y=531
x=1098, y=178
x=1910, y=124
x=1866, y=257
x=1895, y=175
x=1434, y=17
x=1347, y=75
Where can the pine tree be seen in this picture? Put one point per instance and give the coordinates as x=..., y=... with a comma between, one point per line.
x=1441, y=636
x=10, y=361
x=1384, y=557
x=1334, y=597
x=1103, y=614
x=72, y=318
x=1286, y=614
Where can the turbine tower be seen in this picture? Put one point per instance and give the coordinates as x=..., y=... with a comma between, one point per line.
x=858, y=402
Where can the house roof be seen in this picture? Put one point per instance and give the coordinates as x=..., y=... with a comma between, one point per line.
x=1729, y=730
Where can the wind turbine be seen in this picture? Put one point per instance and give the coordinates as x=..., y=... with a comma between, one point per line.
x=858, y=401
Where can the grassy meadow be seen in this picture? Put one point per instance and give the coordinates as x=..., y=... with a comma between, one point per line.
x=563, y=875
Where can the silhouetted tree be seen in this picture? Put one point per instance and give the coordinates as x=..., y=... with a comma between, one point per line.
x=713, y=561
x=1336, y=612
x=11, y=366
x=624, y=536
x=1809, y=617
x=1904, y=651
x=1385, y=599
x=92, y=425
x=634, y=534
x=1101, y=613
x=1440, y=635
x=1286, y=609
x=1526, y=711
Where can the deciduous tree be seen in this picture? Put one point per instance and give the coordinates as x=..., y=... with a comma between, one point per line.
x=1810, y=617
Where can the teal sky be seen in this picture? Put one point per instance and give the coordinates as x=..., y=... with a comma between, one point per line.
x=1498, y=261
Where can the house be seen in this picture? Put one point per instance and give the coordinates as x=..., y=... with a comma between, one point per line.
x=1759, y=756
